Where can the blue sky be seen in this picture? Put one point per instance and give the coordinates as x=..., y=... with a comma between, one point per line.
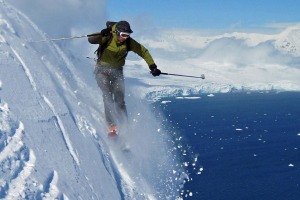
x=206, y=14
x=86, y=16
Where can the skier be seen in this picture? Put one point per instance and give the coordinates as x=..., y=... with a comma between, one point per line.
x=109, y=70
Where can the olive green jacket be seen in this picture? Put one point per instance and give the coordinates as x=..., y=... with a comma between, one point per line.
x=115, y=53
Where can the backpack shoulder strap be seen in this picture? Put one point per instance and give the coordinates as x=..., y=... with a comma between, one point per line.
x=128, y=44
x=103, y=46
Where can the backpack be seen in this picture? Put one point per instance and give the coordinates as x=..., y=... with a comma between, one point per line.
x=107, y=32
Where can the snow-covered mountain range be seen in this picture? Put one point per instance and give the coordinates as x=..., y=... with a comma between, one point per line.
x=231, y=61
x=53, y=139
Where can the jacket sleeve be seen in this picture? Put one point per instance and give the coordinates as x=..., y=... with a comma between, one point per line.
x=96, y=39
x=141, y=51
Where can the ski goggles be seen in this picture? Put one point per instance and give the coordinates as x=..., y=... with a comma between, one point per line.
x=124, y=35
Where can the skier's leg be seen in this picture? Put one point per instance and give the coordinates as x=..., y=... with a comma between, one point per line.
x=119, y=97
x=104, y=82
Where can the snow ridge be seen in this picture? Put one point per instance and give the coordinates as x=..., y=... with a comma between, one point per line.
x=15, y=142
x=17, y=161
x=15, y=157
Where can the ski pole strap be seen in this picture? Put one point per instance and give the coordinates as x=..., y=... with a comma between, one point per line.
x=202, y=75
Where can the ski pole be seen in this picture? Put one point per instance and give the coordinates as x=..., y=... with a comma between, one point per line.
x=202, y=75
x=66, y=38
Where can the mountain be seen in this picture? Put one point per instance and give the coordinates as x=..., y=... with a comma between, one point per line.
x=232, y=62
x=289, y=41
x=53, y=142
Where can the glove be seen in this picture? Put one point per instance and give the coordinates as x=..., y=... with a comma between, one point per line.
x=154, y=71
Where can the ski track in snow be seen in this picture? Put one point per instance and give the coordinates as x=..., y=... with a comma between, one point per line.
x=129, y=186
x=17, y=160
x=26, y=69
x=60, y=123
x=63, y=131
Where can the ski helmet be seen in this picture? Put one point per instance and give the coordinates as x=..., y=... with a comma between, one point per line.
x=123, y=26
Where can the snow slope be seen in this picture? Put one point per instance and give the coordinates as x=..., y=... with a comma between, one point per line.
x=53, y=142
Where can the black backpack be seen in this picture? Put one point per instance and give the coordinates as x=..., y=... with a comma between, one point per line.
x=107, y=32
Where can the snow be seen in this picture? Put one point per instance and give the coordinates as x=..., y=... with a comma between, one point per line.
x=53, y=142
x=188, y=97
x=63, y=130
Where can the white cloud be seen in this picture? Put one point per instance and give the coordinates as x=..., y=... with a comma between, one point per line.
x=66, y=18
x=240, y=48
x=58, y=18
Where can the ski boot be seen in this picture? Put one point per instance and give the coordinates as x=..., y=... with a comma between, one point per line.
x=113, y=132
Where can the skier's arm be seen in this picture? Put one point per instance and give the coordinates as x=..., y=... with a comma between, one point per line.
x=144, y=53
x=95, y=39
x=141, y=51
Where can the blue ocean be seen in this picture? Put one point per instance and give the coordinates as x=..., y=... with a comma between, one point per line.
x=246, y=145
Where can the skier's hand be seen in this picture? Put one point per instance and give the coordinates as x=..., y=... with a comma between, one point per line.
x=154, y=71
